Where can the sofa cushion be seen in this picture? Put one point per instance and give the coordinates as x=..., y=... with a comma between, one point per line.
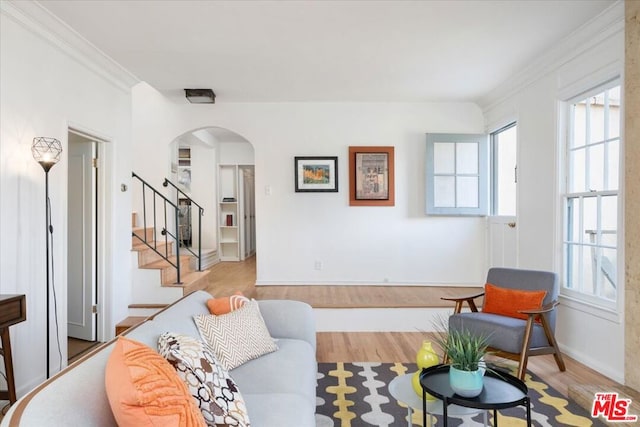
x=213, y=390
x=143, y=389
x=291, y=369
x=224, y=305
x=503, y=332
x=508, y=302
x=281, y=409
x=236, y=337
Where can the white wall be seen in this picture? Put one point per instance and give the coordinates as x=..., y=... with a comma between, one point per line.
x=240, y=153
x=294, y=230
x=45, y=87
x=589, y=57
x=203, y=185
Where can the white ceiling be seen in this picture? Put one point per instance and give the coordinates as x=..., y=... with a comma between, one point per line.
x=274, y=51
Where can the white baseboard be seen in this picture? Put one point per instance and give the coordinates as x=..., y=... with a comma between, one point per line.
x=585, y=359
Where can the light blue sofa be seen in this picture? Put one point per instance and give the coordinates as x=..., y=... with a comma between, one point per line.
x=279, y=388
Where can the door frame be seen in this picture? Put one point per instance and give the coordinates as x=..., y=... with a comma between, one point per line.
x=103, y=228
x=83, y=202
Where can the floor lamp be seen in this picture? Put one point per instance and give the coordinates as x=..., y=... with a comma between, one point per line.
x=46, y=151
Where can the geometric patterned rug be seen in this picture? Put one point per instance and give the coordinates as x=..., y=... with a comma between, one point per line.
x=356, y=394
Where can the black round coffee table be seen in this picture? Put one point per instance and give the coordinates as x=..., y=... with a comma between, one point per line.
x=501, y=390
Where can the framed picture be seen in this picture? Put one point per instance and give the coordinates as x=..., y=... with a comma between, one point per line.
x=371, y=176
x=316, y=174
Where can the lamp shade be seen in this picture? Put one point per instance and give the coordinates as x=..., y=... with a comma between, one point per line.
x=46, y=151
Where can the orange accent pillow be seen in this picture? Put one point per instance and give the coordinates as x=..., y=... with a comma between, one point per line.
x=507, y=302
x=145, y=390
x=224, y=305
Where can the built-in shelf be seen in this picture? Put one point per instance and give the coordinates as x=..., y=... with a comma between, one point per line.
x=228, y=230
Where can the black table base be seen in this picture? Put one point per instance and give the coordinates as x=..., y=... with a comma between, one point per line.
x=501, y=390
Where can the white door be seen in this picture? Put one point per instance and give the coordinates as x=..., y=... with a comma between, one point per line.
x=503, y=248
x=82, y=240
x=247, y=211
x=503, y=231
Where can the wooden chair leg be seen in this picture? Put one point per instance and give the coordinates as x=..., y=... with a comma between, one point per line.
x=553, y=343
x=524, y=352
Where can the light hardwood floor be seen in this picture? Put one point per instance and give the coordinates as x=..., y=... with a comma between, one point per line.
x=229, y=277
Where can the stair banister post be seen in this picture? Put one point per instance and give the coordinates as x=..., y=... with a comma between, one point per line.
x=177, y=238
x=200, y=213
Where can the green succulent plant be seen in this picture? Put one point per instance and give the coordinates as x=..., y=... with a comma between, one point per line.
x=462, y=349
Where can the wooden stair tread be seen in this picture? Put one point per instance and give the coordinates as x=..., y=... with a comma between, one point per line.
x=129, y=322
x=142, y=246
x=151, y=306
x=165, y=264
x=188, y=278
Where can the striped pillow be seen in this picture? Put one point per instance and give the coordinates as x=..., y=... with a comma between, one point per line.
x=236, y=337
x=224, y=305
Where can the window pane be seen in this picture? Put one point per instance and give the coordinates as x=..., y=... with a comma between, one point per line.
x=467, y=192
x=444, y=158
x=589, y=255
x=467, y=158
x=568, y=251
x=612, y=169
x=577, y=175
x=590, y=219
x=573, y=221
x=608, y=274
x=609, y=220
x=444, y=191
x=579, y=125
x=596, y=118
x=574, y=266
x=596, y=168
x=505, y=147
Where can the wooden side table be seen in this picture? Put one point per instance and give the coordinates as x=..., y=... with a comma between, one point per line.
x=13, y=309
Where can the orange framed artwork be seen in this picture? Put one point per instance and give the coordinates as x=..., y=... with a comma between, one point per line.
x=371, y=176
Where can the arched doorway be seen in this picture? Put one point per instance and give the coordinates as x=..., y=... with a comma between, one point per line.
x=215, y=167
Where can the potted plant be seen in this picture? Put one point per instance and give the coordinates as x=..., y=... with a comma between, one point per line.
x=464, y=352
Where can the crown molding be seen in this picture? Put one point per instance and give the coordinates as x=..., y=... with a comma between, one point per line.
x=35, y=18
x=607, y=24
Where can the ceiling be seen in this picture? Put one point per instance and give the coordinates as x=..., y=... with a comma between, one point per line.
x=326, y=51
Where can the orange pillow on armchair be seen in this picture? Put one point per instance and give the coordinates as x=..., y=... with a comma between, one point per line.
x=507, y=302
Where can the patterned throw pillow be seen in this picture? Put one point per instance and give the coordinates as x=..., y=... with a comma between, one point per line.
x=209, y=383
x=236, y=337
x=144, y=390
x=224, y=305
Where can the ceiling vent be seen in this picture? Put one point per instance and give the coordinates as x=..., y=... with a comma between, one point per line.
x=200, y=96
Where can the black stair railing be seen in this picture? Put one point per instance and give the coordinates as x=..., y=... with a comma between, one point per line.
x=166, y=206
x=189, y=202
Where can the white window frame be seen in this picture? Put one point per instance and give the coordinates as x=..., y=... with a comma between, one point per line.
x=482, y=174
x=566, y=127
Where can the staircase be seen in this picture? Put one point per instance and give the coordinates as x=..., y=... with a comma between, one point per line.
x=154, y=270
x=164, y=272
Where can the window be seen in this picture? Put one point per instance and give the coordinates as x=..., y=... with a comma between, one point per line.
x=504, y=170
x=456, y=174
x=591, y=200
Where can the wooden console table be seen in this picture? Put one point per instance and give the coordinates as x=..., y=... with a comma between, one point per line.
x=13, y=309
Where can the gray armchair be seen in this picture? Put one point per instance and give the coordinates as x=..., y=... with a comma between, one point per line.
x=510, y=337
